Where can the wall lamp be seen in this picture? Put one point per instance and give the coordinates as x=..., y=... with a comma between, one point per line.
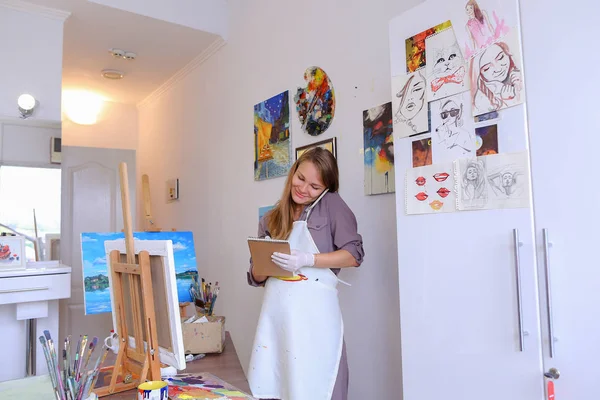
x=26, y=103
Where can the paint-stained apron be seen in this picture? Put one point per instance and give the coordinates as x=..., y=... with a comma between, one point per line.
x=299, y=338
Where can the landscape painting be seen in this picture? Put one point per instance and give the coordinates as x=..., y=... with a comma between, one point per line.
x=95, y=268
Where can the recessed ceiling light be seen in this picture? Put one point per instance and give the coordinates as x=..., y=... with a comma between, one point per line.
x=112, y=74
x=118, y=53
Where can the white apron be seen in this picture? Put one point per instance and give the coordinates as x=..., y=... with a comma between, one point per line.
x=298, y=342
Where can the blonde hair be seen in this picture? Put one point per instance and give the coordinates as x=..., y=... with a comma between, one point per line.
x=281, y=217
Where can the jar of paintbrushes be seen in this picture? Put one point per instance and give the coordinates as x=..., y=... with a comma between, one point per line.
x=204, y=295
x=72, y=374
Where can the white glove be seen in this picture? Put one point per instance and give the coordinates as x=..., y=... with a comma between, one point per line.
x=293, y=262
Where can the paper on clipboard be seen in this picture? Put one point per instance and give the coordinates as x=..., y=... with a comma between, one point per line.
x=261, y=250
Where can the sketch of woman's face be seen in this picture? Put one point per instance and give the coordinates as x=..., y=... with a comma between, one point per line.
x=471, y=173
x=470, y=11
x=507, y=179
x=447, y=60
x=494, y=64
x=414, y=97
x=450, y=112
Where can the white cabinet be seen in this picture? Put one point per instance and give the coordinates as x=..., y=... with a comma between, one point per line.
x=32, y=293
x=462, y=318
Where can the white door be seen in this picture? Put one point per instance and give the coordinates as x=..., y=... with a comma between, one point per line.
x=565, y=140
x=459, y=303
x=91, y=202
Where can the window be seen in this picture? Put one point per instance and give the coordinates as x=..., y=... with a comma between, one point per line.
x=24, y=189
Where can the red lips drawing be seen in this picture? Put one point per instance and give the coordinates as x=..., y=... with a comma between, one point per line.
x=441, y=176
x=420, y=181
x=443, y=192
x=421, y=196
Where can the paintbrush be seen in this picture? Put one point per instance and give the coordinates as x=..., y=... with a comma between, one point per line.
x=76, y=357
x=91, y=349
x=49, y=365
x=82, y=350
x=68, y=347
x=97, y=367
x=54, y=358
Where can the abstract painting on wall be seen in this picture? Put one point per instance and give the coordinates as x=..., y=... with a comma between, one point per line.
x=272, y=142
x=421, y=152
x=379, y=150
x=315, y=103
x=486, y=140
x=415, y=47
x=95, y=269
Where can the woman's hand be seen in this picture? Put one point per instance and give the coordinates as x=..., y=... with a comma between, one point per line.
x=293, y=262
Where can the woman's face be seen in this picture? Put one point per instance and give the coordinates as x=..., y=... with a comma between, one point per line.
x=415, y=95
x=507, y=179
x=307, y=184
x=472, y=173
x=494, y=64
x=470, y=11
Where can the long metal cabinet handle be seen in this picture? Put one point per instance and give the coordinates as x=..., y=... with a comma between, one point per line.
x=548, y=291
x=517, y=245
x=33, y=289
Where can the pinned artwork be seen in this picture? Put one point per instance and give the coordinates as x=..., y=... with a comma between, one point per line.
x=446, y=68
x=496, y=181
x=487, y=117
x=379, y=150
x=95, y=268
x=12, y=252
x=497, y=77
x=479, y=23
x=202, y=386
x=327, y=144
x=415, y=47
x=421, y=152
x=430, y=189
x=315, y=103
x=409, y=104
x=486, y=140
x=452, y=128
x=272, y=147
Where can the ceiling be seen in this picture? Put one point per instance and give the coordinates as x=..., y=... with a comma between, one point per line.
x=162, y=49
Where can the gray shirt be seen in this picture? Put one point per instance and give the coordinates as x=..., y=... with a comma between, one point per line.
x=332, y=225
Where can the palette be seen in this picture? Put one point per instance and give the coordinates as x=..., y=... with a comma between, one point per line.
x=203, y=386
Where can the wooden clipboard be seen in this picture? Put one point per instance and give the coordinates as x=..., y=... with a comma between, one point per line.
x=261, y=251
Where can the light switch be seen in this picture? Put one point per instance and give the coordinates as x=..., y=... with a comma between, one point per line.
x=172, y=189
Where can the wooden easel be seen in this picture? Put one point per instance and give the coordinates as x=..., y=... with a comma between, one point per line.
x=133, y=365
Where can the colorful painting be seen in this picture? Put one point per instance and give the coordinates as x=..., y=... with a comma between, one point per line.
x=329, y=144
x=272, y=142
x=446, y=68
x=430, y=189
x=315, y=103
x=378, y=150
x=452, y=128
x=203, y=386
x=12, y=252
x=421, y=152
x=497, y=77
x=415, y=47
x=263, y=210
x=410, y=109
x=486, y=140
x=95, y=269
x=479, y=23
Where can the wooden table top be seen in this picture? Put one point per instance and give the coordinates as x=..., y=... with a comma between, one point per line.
x=225, y=366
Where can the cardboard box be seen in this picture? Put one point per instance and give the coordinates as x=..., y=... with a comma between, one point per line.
x=203, y=337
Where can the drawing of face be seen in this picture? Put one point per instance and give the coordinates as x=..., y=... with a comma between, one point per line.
x=447, y=61
x=413, y=96
x=471, y=174
x=450, y=112
x=494, y=64
x=507, y=180
x=470, y=11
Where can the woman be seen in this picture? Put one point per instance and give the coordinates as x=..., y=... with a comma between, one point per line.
x=479, y=28
x=298, y=351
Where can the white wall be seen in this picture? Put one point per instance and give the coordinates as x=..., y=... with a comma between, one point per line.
x=31, y=47
x=27, y=143
x=117, y=128
x=201, y=132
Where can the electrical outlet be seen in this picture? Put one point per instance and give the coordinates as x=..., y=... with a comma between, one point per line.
x=172, y=189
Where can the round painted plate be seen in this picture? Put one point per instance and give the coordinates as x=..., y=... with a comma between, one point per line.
x=315, y=103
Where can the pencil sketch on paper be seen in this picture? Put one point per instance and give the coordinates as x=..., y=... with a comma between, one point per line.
x=430, y=189
x=445, y=67
x=480, y=23
x=453, y=128
x=409, y=104
x=496, y=181
x=496, y=77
